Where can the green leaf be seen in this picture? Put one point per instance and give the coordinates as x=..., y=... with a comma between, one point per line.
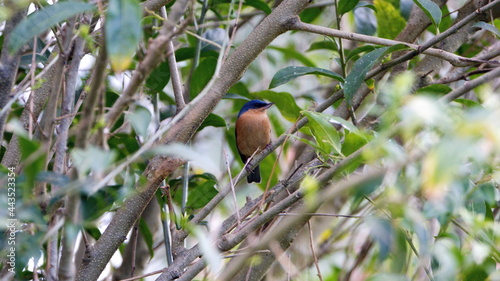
x=468, y=103
x=291, y=72
x=354, y=53
x=309, y=15
x=30, y=150
x=435, y=89
x=201, y=76
x=291, y=53
x=92, y=159
x=342, y=122
x=213, y=120
x=93, y=231
x=382, y=232
x=202, y=194
x=487, y=26
x=345, y=6
x=185, y=152
x=390, y=22
x=41, y=20
x=325, y=44
x=188, y=53
x=259, y=5
x=97, y=204
x=123, y=32
x=147, y=235
x=353, y=142
x=431, y=9
x=361, y=67
x=284, y=101
x=308, y=142
x=140, y=119
x=325, y=134
x=159, y=78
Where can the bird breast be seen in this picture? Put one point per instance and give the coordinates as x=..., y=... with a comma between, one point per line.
x=253, y=132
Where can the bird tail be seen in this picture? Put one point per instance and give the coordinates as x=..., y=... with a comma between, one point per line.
x=254, y=176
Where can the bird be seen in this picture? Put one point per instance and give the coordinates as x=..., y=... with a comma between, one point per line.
x=253, y=133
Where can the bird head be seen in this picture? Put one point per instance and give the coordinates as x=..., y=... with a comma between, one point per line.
x=255, y=104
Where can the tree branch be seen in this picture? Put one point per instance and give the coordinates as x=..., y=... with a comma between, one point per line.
x=469, y=85
x=8, y=63
x=455, y=60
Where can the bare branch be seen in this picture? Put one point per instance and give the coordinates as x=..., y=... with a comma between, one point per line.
x=455, y=60
x=472, y=84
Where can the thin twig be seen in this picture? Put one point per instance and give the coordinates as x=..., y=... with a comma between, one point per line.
x=232, y=188
x=135, y=236
x=455, y=60
x=321, y=215
x=311, y=245
x=144, y=275
x=471, y=85
x=174, y=71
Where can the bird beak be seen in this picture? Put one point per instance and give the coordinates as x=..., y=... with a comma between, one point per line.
x=269, y=105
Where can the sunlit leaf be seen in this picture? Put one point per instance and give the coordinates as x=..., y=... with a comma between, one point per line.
x=291, y=72
x=327, y=137
x=43, y=19
x=123, y=32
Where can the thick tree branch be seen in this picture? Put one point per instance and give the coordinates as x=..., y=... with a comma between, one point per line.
x=8, y=62
x=154, y=5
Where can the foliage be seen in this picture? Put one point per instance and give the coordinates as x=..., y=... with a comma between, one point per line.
x=117, y=130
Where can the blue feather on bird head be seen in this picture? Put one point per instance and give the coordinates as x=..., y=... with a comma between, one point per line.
x=254, y=104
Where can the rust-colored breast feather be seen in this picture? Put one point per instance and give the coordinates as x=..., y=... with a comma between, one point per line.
x=253, y=131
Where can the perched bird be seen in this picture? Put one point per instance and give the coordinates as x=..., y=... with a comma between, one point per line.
x=253, y=133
